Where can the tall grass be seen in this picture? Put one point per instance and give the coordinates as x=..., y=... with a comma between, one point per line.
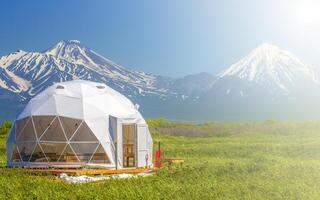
x=267, y=160
x=188, y=129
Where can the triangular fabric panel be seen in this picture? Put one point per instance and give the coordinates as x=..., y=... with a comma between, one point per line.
x=12, y=135
x=53, y=151
x=41, y=123
x=54, y=132
x=38, y=155
x=68, y=155
x=84, y=133
x=100, y=156
x=20, y=124
x=84, y=151
x=27, y=133
x=92, y=112
x=47, y=107
x=26, y=112
x=25, y=150
x=74, y=108
x=15, y=156
x=70, y=125
x=100, y=127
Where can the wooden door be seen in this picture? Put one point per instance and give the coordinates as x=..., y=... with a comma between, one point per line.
x=129, y=142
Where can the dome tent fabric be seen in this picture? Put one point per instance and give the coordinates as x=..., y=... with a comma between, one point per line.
x=79, y=123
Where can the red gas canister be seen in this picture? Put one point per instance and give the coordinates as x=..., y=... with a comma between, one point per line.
x=158, y=157
x=157, y=160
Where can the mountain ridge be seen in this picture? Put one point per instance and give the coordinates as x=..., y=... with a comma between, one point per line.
x=268, y=76
x=268, y=64
x=69, y=60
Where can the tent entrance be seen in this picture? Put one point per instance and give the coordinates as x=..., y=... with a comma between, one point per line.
x=129, y=138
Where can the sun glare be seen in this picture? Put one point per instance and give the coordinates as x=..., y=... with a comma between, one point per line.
x=306, y=13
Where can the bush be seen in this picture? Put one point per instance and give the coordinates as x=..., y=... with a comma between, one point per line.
x=157, y=122
x=5, y=128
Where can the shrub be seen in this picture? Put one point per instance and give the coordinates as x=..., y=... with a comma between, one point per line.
x=157, y=122
x=5, y=128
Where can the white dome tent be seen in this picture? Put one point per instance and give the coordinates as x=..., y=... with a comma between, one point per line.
x=80, y=124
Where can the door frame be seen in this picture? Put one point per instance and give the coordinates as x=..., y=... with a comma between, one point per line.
x=135, y=145
x=116, y=129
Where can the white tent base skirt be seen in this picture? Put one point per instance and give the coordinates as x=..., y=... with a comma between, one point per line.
x=87, y=179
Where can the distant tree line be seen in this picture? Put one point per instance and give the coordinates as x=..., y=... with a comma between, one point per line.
x=5, y=128
x=157, y=122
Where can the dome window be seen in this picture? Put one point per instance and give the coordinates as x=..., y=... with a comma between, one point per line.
x=100, y=87
x=59, y=87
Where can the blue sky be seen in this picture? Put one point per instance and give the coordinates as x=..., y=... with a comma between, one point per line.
x=167, y=37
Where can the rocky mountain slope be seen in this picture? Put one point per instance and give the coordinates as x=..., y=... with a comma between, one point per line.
x=268, y=69
x=27, y=73
x=267, y=83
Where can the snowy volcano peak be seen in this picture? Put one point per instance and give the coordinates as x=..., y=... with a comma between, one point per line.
x=76, y=53
x=28, y=73
x=269, y=63
x=269, y=54
x=74, y=41
x=267, y=48
x=66, y=49
x=73, y=51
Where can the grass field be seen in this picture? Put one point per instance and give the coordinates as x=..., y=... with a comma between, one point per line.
x=267, y=160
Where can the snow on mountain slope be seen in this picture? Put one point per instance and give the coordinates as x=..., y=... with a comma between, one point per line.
x=28, y=73
x=78, y=54
x=269, y=66
x=267, y=83
x=10, y=83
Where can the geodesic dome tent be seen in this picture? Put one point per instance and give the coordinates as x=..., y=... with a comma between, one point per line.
x=79, y=123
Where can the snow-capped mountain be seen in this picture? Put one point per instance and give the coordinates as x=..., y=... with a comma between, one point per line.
x=267, y=83
x=192, y=85
x=269, y=70
x=27, y=73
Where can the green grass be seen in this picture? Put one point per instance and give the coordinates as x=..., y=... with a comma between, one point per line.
x=269, y=160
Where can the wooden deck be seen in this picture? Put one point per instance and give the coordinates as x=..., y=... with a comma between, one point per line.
x=89, y=171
